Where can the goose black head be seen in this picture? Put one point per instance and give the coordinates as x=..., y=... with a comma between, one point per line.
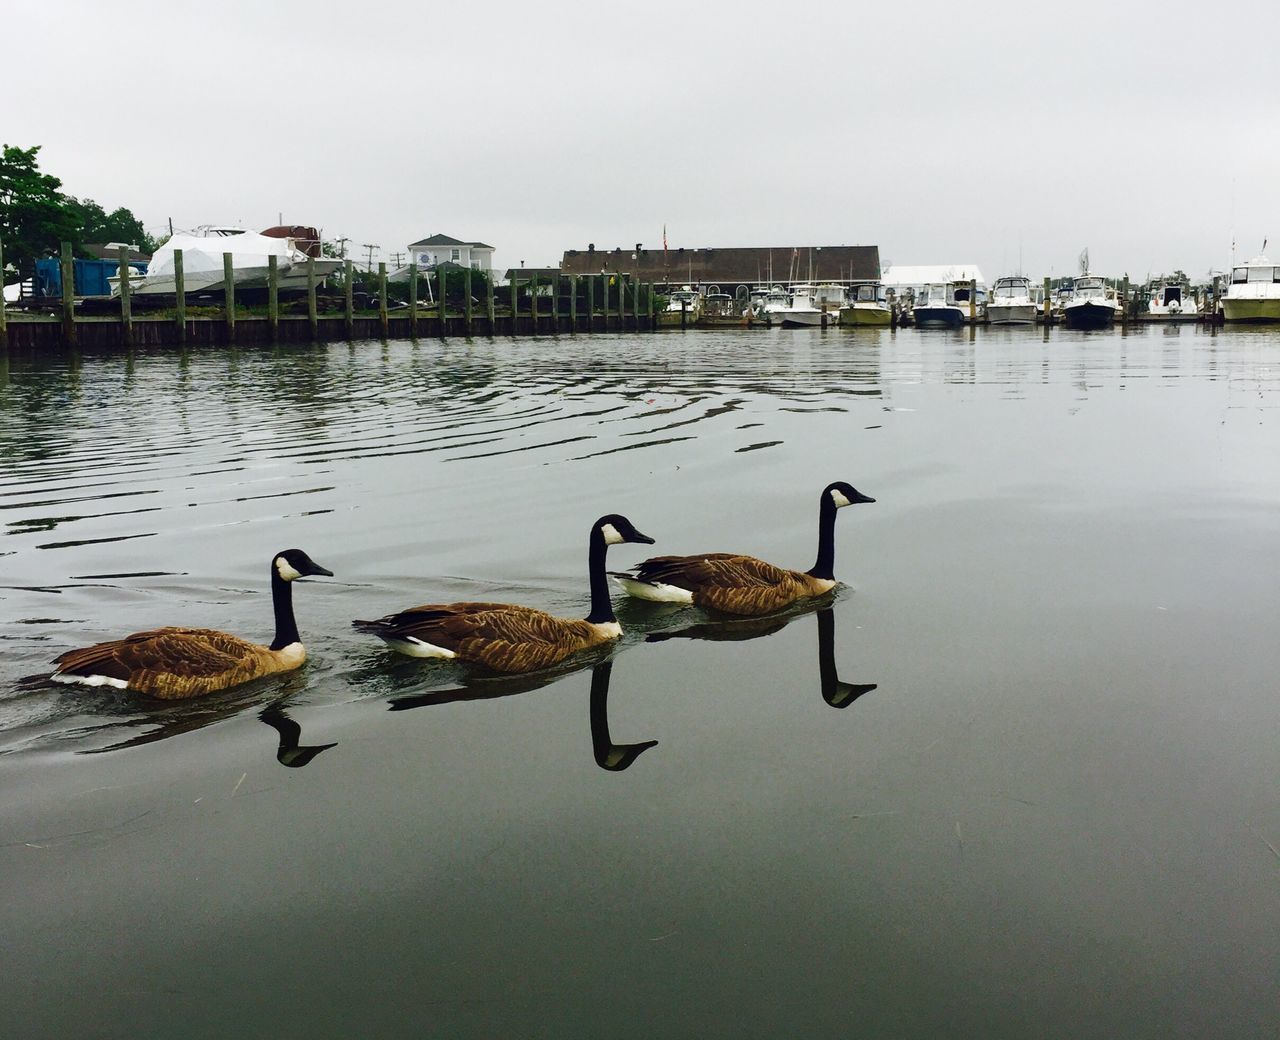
x=616, y=529
x=843, y=494
x=294, y=563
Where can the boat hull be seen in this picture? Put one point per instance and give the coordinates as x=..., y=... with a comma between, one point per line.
x=799, y=319
x=1257, y=311
x=1011, y=314
x=873, y=317
x=1089, y=316
x=938, y=317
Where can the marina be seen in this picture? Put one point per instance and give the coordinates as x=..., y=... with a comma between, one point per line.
x=904, y=772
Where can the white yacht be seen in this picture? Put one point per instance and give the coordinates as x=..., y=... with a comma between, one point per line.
x=1171, y=299
x=1254, y=292
x=1011, y=302
x=771, y=304
x=203, y=265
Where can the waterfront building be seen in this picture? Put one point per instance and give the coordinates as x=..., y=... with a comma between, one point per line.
x=442, y=249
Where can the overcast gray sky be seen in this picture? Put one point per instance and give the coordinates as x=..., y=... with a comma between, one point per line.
x=1149, y=133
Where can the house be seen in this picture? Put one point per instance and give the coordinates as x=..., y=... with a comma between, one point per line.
x=730, y=266
x=440, y=249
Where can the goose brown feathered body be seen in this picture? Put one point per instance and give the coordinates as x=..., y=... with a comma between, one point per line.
x=506, y=637
x=733, y=583
x=500, y=636
x=177, y=663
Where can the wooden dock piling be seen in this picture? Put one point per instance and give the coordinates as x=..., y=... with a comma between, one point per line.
x=229, y=296
x=1124, y=301
x=273, y=297
x=488, y=301
x=1048, y=302
x=179, y=291
x=313, y=315
x=4, y=321
x=573, y=303
x=126, y=292
x=973, y=301
x=382, y=298
x=514, y=311
x=466, y=292
x=348, y=270
x=533, y=301
x=413, y=301
x=442, y=306
x=68, y=295
x=591, y=303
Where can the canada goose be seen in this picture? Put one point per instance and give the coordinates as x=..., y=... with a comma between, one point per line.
x=176, y=663
x=735, y=584
x=506, y=637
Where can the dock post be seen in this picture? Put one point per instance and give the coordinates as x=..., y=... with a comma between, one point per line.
x=273, y=296
x=4, y=322
x=573, y=303
x=69, y=296
x=824, y=316
x=313, y=316
x=622, y=303
x=382, y=297
x=466, y=291
x=514, y=304
x=348, y=278
x=442, y=276
x=973, y=301
x=229, y=296
x=123, y=272
x=1124, y=301
x=533, y=301
x=635, y=304
x=684, y=314
x=413, y=301
x=653, y=324
x=488, y=300
x=1048, y=302
x=555, y=306
x=179, y=291
x=591, y=302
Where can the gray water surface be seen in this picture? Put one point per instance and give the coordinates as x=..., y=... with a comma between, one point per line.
x=1017, y=778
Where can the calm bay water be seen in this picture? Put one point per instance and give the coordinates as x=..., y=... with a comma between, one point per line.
x=1018, y=779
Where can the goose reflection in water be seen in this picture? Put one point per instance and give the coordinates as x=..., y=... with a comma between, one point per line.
x=609, y=756
x=836, y=693
x=290, y=752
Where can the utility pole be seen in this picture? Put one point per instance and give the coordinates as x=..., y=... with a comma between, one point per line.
x=342, y=247
x=372, y=248
x=397, y=260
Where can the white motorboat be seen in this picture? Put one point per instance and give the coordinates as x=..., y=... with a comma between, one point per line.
x=772, y=304
x=1011, y=302
x=802, y=311
x=1091, y=305
x=1171, y=299
x=203, y=265
x=1254, y=292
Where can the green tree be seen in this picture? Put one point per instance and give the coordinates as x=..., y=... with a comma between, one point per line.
x=34, y=216
x=120, y=225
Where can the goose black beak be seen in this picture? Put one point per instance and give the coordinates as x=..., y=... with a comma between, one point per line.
x=643, y=539
x=862, y=498
x=317, y=569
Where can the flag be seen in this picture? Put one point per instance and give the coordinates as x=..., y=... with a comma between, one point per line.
x=664, y=241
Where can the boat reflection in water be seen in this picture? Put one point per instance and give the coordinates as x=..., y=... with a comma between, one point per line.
x=609, y=756
x=836, y=693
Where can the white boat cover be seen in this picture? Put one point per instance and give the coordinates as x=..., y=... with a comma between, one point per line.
x=201, y=254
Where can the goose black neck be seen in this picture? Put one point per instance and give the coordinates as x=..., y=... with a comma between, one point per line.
x=825, y=565
x=601, y=604
x=282, y=602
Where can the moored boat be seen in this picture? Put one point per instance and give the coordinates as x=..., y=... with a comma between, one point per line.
x=1011, y=302
x=1090, y=306
x=801, y=312
x=936, y=308
x=865, y=308
x=683, y=305
x=1254, y=292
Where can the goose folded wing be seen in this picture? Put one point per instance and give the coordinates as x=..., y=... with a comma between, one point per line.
x=713, y=571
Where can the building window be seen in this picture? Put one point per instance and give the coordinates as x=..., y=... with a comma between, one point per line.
x=457, y=255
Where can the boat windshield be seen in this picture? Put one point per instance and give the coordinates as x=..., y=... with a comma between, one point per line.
x=1260, y=274
x=1007, y=287
x=866, y=294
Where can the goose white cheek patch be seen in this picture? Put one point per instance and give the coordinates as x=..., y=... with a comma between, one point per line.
x=839, y=499
x=611, y=536
x=285, y=570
